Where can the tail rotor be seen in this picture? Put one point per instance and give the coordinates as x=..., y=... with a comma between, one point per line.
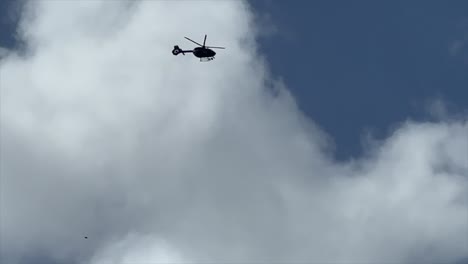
x=177, y=50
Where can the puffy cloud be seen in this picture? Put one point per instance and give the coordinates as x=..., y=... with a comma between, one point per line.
x=156, y=158
x=138, y=249
x=3, y=52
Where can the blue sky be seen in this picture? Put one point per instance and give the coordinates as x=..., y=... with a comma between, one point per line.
x=357, y=67
x=8, y=18
x=360, y=66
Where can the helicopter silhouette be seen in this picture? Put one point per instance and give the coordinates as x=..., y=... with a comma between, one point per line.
x=205, y=53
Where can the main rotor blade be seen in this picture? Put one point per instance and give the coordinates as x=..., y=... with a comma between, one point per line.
x=204, y=41
x=194, y=41
x=216, y=47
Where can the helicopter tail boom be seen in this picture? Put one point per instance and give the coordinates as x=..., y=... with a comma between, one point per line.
x=178, y=50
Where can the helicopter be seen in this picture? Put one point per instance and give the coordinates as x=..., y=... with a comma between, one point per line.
x=205, y=53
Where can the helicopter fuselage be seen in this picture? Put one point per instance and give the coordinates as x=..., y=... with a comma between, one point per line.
x=201, y=52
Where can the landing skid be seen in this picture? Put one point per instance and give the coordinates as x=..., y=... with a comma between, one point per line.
x=206, y=59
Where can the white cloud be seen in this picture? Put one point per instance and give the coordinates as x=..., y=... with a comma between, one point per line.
x=138, y=249
x=3, y=52
x=105, y=134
